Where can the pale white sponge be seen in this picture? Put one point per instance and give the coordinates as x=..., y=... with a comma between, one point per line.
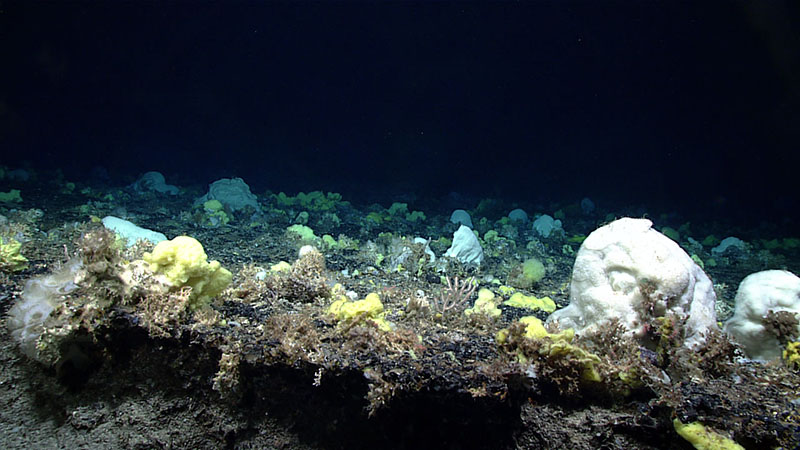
x=40, y=297
x=466, y=247
x=759, y=293
x=628, y=271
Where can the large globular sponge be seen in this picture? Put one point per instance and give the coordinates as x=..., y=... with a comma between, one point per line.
x=628, y=272
x=545, y=225
x=233, y=193
x=154, y=182
x=767, y=313
x=461, y=217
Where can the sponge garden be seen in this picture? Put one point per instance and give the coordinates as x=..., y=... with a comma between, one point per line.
x=156, y=315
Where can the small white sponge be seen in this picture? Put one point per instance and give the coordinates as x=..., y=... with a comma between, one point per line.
x=466, y=247
x=628, y=271
x=132, y=232
x=759, y=293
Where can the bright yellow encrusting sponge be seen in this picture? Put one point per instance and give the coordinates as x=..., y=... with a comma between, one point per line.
x=554, y=346
x=369, y=308
x=184, y=263
x=704, y=438
x=520, y=300
x=534, y=329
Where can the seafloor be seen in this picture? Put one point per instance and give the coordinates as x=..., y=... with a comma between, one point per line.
x=267, y=367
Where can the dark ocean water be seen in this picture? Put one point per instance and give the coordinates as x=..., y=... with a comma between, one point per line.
x=687, y=113
x=691, y=108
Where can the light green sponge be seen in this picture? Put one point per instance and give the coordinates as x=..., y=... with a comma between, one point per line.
x=10, y=258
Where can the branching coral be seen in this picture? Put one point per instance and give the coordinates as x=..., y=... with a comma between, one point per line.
x=455, y=295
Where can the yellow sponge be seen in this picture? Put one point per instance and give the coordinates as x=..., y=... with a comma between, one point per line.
x=703, y=438
x=183, y=262
x=369, y=308
x=520, y=300
x=486, y=304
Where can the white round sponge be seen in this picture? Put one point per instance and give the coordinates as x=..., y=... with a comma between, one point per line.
x=759, y=293
x=628, y=271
